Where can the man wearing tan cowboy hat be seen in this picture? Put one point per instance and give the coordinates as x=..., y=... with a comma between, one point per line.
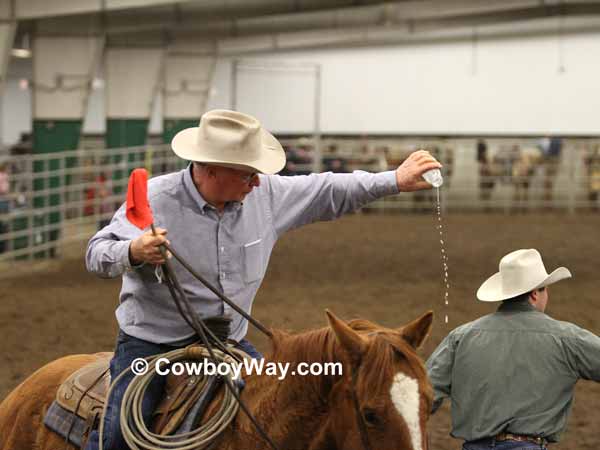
x=224, y=213
x=510, y=375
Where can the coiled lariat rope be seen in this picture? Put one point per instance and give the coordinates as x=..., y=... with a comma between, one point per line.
x=133, y=428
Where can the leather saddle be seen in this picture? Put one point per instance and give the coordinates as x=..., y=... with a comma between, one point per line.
x=84, y=394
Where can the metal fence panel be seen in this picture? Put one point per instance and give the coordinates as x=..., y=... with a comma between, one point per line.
x=514, y=176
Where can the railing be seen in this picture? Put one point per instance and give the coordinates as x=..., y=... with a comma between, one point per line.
x=55, y=198
x=514, y=175
x=60, y=197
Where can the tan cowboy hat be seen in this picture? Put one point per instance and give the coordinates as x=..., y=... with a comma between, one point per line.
x=520, y=272
x=232, y=139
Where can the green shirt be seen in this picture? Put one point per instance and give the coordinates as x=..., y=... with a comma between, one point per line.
x=512, y=371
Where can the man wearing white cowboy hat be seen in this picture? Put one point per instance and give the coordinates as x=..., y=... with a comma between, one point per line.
x=510, y=375
x=224, y=213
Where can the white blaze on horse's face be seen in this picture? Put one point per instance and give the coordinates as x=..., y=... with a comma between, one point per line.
x=405, y=396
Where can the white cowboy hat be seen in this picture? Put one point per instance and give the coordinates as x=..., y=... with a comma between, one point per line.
x=520, y=272
x=232, y=139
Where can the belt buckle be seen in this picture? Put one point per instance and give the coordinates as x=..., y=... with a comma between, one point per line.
x=521, y=438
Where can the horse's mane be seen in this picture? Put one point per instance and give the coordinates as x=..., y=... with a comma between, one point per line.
x=313, y=345
x=321, y=345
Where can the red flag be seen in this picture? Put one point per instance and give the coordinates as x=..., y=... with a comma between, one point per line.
x=138, y=208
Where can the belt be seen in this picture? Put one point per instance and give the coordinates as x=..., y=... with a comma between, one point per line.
x=521, y=438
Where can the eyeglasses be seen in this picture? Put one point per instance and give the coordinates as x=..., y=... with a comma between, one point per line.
x=249, y=177
x=246, y=177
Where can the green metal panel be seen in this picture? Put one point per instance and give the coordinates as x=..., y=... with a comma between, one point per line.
x=50, y=136
x=55, y=135
x=126, y=133
x=173, y=126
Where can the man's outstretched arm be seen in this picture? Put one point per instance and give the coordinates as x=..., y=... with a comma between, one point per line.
x=583, y=352
x=300, y=200
x=439, y=369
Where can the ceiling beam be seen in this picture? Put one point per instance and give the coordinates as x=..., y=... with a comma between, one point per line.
x=373, y=17
x=402, y=35
x=37, y=9
x=384, y=14
x=359, y=25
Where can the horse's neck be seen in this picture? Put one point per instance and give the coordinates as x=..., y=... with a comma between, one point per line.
x=292, y=411
x=289, y=412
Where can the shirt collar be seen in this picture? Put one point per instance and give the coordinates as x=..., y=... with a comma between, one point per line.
x=188, y=182
x=236, y=206
x=516, y=305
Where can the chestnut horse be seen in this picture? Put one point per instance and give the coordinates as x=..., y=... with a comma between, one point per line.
x=381, y=370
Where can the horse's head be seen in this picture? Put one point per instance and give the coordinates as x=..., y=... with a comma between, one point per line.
x=387, y=393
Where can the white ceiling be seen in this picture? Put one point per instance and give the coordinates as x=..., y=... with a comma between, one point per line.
x=239, y=26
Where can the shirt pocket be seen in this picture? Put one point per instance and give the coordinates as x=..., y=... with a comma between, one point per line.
x=253, y=260
x=127, y=313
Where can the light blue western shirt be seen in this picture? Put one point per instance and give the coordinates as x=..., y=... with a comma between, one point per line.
x=230, y=250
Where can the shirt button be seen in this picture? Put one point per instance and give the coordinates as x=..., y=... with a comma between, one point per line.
x=222, y=275
x=222, y=249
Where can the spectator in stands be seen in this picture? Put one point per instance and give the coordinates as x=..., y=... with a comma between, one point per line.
x=304, y=160
x=332, y=162
x=486, y=179
x=289, y=168
x=24, y=146
x=551, y=150
x=482, y=155
x=592, y=163
x=4, y=203
x=299, y=160
x=447, y=155
x=20, y=184
x=383, y=155
x=4, y=187
x=523, y=169
x=503, y=162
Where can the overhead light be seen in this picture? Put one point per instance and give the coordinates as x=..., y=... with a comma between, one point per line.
x=23, y=84
x=21, y=52
x=97, y=83
x=22, y=48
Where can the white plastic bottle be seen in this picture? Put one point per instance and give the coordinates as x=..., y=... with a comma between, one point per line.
x=434, y=177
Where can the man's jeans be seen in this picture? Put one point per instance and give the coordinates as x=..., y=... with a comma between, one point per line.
x=129, y=348
x=491, y=444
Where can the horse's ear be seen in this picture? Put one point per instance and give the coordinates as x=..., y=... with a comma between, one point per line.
x=417, y=331
x=348, y=339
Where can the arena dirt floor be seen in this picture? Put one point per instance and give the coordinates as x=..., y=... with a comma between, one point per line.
x=386, y=268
